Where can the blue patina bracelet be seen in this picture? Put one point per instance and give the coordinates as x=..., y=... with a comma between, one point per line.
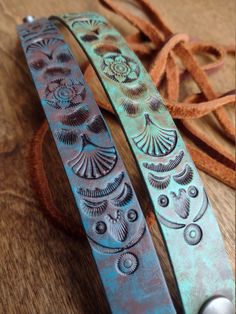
x=111, y=215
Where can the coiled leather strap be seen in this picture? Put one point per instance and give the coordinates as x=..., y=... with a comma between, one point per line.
x=111, y=215
x=180, y=202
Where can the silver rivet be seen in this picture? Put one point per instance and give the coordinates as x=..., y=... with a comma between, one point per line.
x=28, y=19
x=218, y=305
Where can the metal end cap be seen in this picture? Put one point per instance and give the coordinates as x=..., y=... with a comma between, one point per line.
x=28, y=19
x=218, y=305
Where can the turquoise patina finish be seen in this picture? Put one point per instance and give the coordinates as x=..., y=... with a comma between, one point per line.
x=110, y=213
x=180, y=202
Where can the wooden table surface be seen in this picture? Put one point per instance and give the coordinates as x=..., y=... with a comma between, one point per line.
x=43, y=270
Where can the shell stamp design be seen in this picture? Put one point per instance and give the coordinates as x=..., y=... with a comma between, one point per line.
x=94, y=209
x=181, y=203
x=154, y=140
x=117, y=226
x=89, y=23
x=63, y=93
x=185, y=176
x=127, y=263
x=154, y=103
x=68, y=137
x=120, y=68
x=124, y=197
x=104, y=48
x=38, y=65
x=46, y=45
x=165, y=167
x=158, y=182
x=76, y=117
x=97, y=192
x=93, y=161
x=91, y=36
x=97, y=124
x=136, y=91
x=131, y=108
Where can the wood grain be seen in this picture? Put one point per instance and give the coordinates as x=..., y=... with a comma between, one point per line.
x=43, y=270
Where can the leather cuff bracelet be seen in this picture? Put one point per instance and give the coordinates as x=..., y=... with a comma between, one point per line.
x=180, y=202
x=109, y=210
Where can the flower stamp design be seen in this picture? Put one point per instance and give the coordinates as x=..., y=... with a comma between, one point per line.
x=120, y=68
x=64, y=93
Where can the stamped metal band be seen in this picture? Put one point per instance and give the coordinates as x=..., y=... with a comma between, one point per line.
x=111, y=215
x=181, y=205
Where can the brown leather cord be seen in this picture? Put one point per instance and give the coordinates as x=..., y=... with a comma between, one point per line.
x=158, y=66
x=217, y=170
x=155, y=40
x=205, y=48
x=197, y=73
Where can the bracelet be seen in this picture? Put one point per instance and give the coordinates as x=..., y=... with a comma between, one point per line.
x=111, y=215
x=181, y=205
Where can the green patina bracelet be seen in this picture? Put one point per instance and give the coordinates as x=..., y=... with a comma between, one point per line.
x=180, y=202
